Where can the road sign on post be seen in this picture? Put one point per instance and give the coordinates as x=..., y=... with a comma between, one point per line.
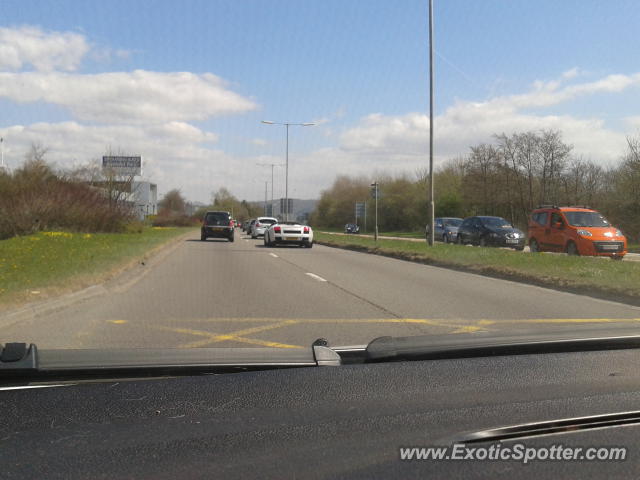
x=360, y=211
x=375, y=192
x=286, y=210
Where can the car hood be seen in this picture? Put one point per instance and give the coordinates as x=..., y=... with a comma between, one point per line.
x=505, y=231
x=604, y=232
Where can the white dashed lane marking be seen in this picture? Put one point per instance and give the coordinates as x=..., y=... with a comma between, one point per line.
x=316, y=277
x=273, y=255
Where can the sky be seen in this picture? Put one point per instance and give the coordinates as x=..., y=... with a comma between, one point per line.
x=186, y=84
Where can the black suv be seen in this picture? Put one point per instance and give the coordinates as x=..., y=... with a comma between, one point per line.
x=217, y=225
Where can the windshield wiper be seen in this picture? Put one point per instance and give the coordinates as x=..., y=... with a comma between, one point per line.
x=19, y=360
x=430, y=347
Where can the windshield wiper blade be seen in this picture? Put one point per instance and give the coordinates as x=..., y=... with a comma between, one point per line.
x=27, y=361
x=430, y=347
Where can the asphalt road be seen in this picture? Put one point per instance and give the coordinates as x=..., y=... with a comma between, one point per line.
x=216, y=293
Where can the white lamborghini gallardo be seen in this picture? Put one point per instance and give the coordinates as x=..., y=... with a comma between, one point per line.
x=290, y=233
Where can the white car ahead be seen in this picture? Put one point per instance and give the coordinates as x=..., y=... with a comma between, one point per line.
x=260, y=226
x=288, y=233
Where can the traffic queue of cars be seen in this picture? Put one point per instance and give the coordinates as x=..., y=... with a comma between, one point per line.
x=274, y=232
x=575, y=230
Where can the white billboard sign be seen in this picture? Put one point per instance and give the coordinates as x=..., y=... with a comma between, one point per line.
x=123, y=165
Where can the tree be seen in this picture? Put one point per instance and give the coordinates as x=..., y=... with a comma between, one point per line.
x=554, y=154
x=173, y=202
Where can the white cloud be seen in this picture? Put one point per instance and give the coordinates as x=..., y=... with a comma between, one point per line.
x=178, y=154
x=128, y=97
x=468, y=123
x=43, y=51
x=174, y=154
x=633, y=123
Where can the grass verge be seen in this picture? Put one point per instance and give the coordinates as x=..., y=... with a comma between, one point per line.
x=36, y=266
x=382, y=234
x=598, y=277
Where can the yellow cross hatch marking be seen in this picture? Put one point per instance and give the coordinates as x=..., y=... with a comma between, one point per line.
x=236, y=336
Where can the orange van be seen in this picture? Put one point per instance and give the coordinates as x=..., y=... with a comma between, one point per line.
x=576, y=231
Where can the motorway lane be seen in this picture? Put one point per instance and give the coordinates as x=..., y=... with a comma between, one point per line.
x=217, y=293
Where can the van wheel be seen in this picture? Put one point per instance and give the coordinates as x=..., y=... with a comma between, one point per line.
x=572, y=249
x=533, y=246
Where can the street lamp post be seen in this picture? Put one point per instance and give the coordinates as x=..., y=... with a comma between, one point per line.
x=265, y=197
x=375, y=193
x=2, y=153
x=286, y=183
x=272, y=165
x=431, y=201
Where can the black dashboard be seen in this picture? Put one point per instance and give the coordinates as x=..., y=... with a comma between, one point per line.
x=328, y=422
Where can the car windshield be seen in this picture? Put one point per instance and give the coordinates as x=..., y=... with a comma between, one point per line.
x=586, y=219
x=495, y=222
x=452, y=222
x=132, y=132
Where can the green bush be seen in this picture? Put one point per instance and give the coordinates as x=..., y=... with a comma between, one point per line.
x=35, y=198
x=174, y=220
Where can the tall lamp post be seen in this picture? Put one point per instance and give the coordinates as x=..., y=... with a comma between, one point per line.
x=2, y=166
x=265, y=196
x=286, y=183
x=431, y=202
x=272, y=165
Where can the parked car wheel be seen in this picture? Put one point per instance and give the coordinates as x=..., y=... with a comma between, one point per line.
x=572, y=249
x=231, y=238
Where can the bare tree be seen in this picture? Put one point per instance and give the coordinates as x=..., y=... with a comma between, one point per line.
x=553, y=157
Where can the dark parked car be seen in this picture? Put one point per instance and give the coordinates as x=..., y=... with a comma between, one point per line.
x=217, y=225
x=446, y=229
x=351, y=228
x=250, y=225
x=494, y=231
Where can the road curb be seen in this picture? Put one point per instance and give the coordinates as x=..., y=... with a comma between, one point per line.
x=487, y=271
x=114, y=282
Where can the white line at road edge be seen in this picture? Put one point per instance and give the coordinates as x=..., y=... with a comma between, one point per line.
x=273, y=255
x=316, y=277
x=25, y=387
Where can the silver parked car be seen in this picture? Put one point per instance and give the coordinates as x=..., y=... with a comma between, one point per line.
x=446, y=229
